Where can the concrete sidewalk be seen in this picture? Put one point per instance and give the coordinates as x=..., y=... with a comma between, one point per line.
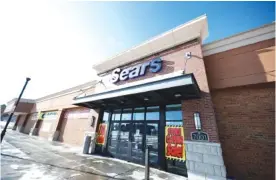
x=24, y=157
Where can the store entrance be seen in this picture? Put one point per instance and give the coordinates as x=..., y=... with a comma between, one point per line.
x=131, y=130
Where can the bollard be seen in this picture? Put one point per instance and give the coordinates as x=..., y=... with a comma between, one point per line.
x=147, y=163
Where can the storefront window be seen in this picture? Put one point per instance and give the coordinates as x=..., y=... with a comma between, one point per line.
x=124, y=137
x=138, y=113
x=137, y=141
x=152, y=141
x=152, y=113
x=116, y=116
x=174, y=123
x=173, y=112
x=113, y=137
x=174, y=117
x=126, y=115
x=105, y=116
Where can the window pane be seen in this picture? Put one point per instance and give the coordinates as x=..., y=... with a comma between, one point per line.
x=124, y=137
x=116, y=115
x=174, y=123
x=105, y=116
x=152, y=113
x=127, y=114
x=113, y=138
x=137, y=141
x=152, y=141
x=177, y=167
x=138, y=113
x=173, y=112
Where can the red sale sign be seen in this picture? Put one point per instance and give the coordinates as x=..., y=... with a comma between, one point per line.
x=101, y=134
x=174, y=143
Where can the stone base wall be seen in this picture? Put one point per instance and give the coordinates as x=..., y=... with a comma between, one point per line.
x=204, y=161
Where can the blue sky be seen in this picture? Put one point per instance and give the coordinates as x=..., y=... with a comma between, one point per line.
x=56, y=42
x=134, y=22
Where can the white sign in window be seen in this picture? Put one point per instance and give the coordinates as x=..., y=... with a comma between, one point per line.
x=50, y=115
x=46, y=126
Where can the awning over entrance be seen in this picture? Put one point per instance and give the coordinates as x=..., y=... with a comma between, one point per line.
x=164, y=91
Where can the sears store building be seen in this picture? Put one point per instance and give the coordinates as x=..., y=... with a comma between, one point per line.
x=203, y=110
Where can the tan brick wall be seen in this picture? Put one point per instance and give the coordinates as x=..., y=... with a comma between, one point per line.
x=59, y=102
x=246, y=65
x=246, y=123
x=72, y=130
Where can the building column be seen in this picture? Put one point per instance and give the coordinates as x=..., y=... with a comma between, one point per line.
x=204, y=159
x=54, y=134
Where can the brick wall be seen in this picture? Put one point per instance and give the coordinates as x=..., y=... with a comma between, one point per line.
x=230, y=68
x=246, y=122
x=205, y=107
x=72, y=129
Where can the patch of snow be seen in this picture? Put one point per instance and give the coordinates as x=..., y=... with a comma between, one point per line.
x=91, y=156
x=111, y=174
x=73, y=175
x=138, y=175
x=34, y=172
x=67, y=149
x=98, y=161
x=101, y=161
x=14, y=166
x=7, y=148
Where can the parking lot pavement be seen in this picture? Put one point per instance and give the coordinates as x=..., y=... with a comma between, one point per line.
x=27, y=157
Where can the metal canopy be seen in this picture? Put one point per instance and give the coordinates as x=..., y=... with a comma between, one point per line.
x=165, y=91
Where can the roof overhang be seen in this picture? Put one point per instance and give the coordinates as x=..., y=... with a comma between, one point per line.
x=194, y=29
x=170, y=90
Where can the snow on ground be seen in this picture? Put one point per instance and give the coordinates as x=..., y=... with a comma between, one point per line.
x=36, y=172
x=14, y=166
x=137, y=175
x=67, y=149
x=7, y=148
x=111, y=174
x=3, y=123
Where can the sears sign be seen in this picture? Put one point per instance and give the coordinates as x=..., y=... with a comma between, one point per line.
x=153, y=66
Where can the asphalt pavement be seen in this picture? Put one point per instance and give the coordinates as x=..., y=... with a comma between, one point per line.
x=25, y=157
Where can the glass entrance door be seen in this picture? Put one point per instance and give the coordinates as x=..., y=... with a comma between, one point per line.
x=152, y=142
x=123, y=149
x=133, y=129
x=137, y=142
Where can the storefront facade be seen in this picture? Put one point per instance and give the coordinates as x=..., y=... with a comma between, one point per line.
x=200, y=109
x=168, y=88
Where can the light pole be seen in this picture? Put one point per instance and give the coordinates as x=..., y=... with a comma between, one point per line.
x=10, y=117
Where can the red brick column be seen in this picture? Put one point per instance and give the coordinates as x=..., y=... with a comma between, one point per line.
x=204, y=105
x=207, y=116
